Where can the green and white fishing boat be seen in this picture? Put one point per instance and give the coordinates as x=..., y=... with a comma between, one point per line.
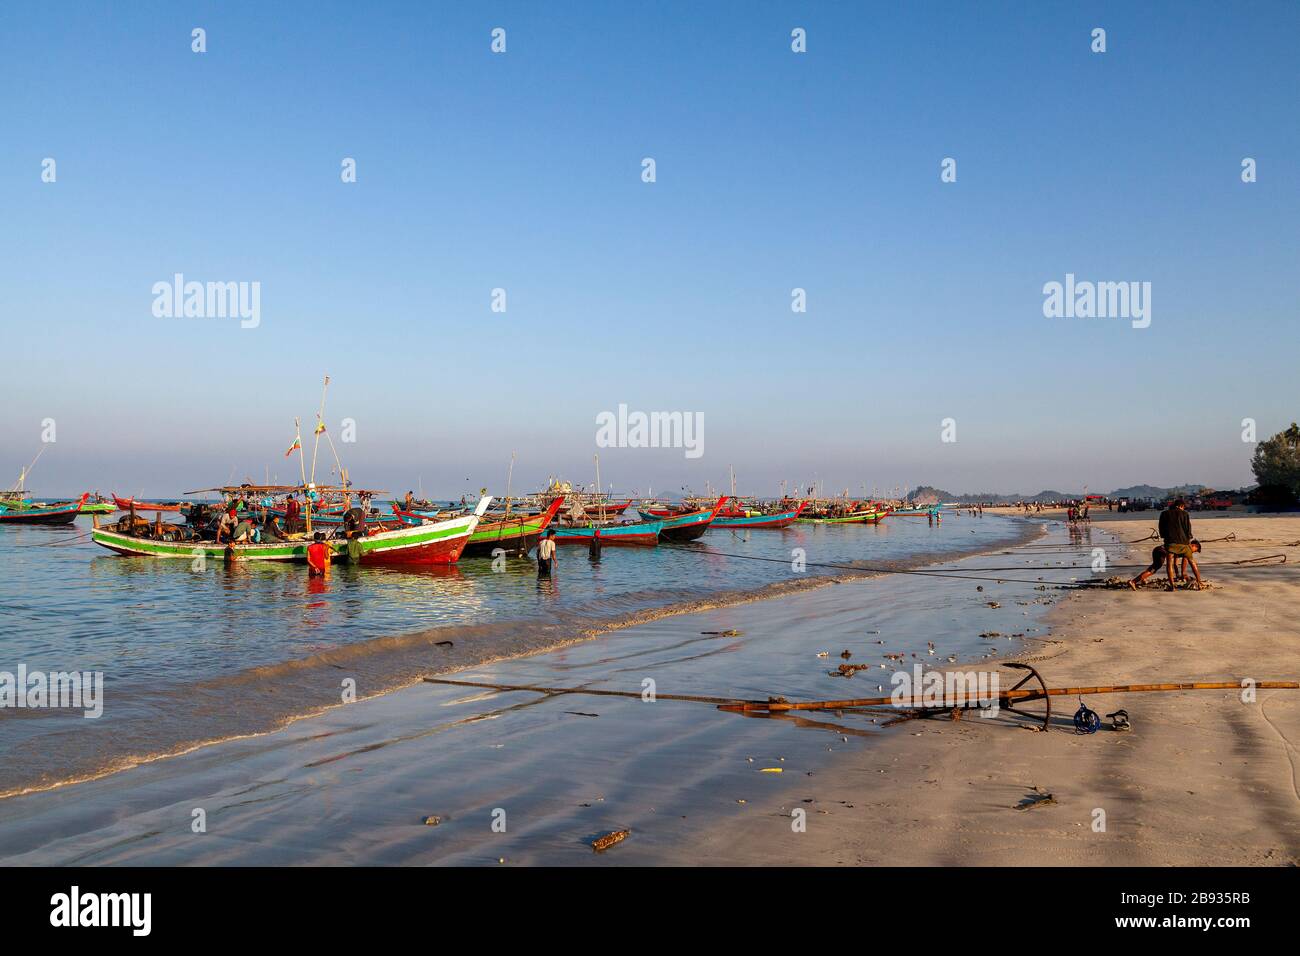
x=439, y=542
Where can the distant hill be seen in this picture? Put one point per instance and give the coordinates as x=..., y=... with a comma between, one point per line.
x=927, y=494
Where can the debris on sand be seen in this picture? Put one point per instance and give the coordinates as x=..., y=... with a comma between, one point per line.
x=731, y=632
x=431, y=821
x=1037, y=798
x=994, y=604
x=602, y=843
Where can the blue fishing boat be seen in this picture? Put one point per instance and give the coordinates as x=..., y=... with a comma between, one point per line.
x=686, y=525
x=64, y=513
x=644, y=533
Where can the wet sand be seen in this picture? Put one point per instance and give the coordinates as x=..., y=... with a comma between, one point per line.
x=1202, y=778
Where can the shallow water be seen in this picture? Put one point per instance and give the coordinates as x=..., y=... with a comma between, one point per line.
x=194, y=656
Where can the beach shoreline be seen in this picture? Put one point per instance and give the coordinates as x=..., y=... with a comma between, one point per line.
x=354, y=784
x=263, y=698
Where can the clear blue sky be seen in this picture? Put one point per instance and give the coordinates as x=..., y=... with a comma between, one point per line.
x=775, y=170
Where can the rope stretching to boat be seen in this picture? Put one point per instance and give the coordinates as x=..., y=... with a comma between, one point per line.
x=969, y=577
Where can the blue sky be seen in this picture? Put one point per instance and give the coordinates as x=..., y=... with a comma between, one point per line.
x=775, y=170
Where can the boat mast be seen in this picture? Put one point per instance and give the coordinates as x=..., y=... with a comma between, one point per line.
x=600, y=502
x=509, y=477
x=320, y=420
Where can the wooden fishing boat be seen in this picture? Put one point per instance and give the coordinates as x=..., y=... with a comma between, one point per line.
x=643, y=533
x=98, y=508
x=859, y=517
x=126, y=504
x=779, y=520
x=610, y=509
x=688, y=525
x=372, y=520
x=438, y=542
x=64, y=513
x=920, y=512
x=516, y=533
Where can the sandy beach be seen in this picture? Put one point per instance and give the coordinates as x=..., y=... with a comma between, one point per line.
x=523, y=777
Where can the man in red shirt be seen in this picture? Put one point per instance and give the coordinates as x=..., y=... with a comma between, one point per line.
x=318, y=556
x=291, y=511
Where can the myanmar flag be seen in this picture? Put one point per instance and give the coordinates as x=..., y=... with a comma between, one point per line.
x=320, y=427
x=294, y=447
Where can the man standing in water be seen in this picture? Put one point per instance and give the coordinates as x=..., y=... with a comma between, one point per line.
x=1176, y=532
x=546, y=554
x=318, y=556
x=593, y=549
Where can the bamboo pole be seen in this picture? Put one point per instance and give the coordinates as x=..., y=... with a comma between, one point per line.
x=1010, y=695
x=320, y=417
x=297, y=439
x=509, y=478
x=592, y=692
x=755, y=706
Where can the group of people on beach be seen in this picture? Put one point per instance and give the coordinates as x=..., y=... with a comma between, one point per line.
x=1177, y=547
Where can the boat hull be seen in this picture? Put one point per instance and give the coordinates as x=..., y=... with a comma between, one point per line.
x=868, y=517
x=781, y=520
x=53, y=514
x=510, y=534
x=126, y=504
x=641, y=533
x=440, y=542
x=683, y=527
x=611, y=509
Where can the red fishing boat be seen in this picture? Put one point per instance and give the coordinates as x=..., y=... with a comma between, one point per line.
x=779, y=520
x=611, y=509
x=126, y=504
